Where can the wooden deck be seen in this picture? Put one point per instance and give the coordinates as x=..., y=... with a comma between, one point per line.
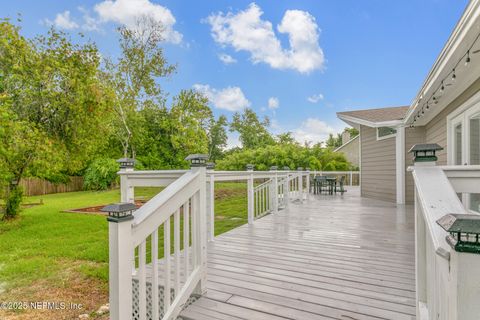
x=333, y=257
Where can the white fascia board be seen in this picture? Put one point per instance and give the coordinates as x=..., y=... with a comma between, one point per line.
x=391, y=123
x=465, y=24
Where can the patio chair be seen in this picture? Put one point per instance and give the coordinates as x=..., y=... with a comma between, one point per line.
x=321, y=184
x=339, y=185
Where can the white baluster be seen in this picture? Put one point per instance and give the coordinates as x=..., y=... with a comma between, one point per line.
x=176, y=244
x=166, y=249
x=155, y=311
x=142, y=283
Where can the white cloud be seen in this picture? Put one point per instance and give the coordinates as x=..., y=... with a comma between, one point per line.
x=64, y=21
x=246, y=31
x=273, y=103
x=127, y=12
x=227, y=59
x=313, y=130
x=315, y=98
x=230, y=98
x=89, y=23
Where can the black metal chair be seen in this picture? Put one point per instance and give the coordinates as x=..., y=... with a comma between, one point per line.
x=321, y=184
x=339, y=187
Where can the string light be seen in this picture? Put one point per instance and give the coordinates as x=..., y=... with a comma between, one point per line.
x=441, y=87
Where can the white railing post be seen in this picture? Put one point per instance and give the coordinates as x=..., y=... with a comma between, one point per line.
x=308, y=183
x=351, y=178
x=198, y=163
x=274, y=190
x=300, y=183
x=121, y=258
x=464, y=285
x=250, y=194
x=127, y=193
x=286, y=192
x=211, y=201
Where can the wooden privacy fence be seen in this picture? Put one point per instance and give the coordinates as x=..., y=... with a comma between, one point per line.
x=37, y=187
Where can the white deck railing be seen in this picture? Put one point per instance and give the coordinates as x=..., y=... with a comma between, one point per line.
x=146, y=286
x=447, y=281
x=263, y=199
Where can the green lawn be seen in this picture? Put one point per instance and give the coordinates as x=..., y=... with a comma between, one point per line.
x=44, y=241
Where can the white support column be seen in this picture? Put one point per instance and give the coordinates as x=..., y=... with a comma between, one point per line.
x=351, y=178
x=308, y=183
x=286, y=192
x=400, y=164
x=274, y=190
x=127, y=193
x=250, y=190
x=211, y=204
x=120, y=268
x=300, y=184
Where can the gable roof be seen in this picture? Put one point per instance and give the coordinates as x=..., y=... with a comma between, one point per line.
x=379, y=117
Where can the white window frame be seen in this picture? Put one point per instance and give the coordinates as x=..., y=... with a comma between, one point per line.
x=462, y=116
x=387, y=136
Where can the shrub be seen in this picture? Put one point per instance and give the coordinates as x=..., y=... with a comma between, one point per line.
x=13, y=200
x=101, y=174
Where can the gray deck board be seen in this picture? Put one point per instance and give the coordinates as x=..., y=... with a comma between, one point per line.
x=332, y=257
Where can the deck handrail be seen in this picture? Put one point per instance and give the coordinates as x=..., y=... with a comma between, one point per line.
x=133, y=276
x=447, y=280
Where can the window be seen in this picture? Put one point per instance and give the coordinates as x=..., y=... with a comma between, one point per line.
x=385, y=132
x=463, y=145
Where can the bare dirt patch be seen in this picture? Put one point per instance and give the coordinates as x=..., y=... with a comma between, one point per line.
x=227, y=193
x=72, y=288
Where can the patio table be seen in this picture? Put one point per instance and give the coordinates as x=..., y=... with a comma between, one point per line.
x=332, y=182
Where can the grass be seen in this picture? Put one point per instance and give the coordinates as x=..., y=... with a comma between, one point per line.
x=44, y=242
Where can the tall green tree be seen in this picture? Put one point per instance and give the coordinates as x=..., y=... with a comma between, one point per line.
x=217, y=138
x=253, y=132
x=134, y=78
x=53, y=106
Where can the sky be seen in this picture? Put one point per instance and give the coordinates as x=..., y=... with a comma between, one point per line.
x=297, y=62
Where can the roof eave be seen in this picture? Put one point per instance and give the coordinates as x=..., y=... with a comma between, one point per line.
x=460, y=31
x=372, y=124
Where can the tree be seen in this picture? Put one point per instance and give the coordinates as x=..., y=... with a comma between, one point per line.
x=217, y=138
x=135, y=78
x=253, y=132
x=286, y=138
x=334, y=141
x=53, y=105
x=166, y=137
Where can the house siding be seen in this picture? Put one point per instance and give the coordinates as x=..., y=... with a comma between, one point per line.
x=413, y=136
x=436, y=129
x=351, y=151
x=377, y=166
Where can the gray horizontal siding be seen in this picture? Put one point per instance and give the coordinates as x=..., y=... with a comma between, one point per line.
x=377, y=166
x=436, y=129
